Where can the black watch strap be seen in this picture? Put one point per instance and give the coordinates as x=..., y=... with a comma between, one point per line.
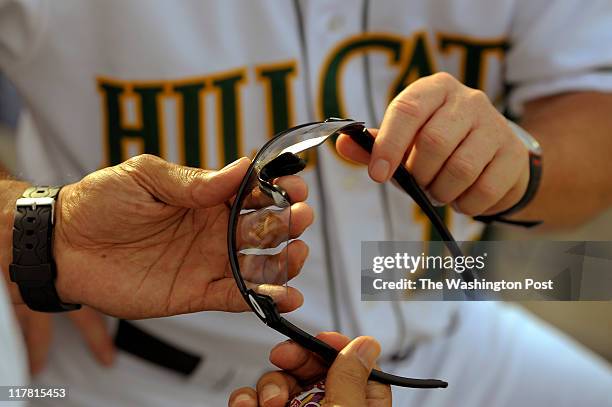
x=535, y=174
x=33, y=267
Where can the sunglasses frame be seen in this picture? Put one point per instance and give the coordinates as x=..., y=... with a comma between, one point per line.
x=264, y=306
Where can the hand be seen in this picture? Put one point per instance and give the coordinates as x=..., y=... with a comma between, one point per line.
x=148, y=238
x=454, y=142
x=37, y=330
x=346, y=381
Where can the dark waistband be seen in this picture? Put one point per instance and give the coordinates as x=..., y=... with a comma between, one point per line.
x=142, y=344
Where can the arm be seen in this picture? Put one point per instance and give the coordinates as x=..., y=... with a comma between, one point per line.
x=575, y=131
x=147, y=238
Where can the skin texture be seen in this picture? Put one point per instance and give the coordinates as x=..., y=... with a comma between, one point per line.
x=147, y=238
x=346, y=380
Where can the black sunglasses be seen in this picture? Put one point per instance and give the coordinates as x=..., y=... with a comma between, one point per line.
x=260, y=234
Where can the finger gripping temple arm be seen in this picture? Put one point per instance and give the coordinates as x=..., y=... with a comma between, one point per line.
x=329, y=354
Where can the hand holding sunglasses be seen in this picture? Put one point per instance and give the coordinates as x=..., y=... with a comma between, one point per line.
x=261, y=229
x=307, y=380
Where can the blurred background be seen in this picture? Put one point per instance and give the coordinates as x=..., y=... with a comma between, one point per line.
x=10, y=106
x=590, y=323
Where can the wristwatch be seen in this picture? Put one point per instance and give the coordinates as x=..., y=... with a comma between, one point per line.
x=535, y=174
x=33, y=267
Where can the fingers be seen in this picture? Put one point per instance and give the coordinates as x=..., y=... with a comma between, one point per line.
x=92, y=327
x=224, y=295
x=463, y=167
x=266, y=228
x=287, y=299
x=293, y=185
x=301, y=363
x=511, y=197
x=378, y=394
x=275, y=269
x=243, y=397
x=185, y=186
x=453, y=141
x=406, y=114
x=347, y=378
x=275, y=388
x=352, y=151
x=495, y=183
x=436, y=141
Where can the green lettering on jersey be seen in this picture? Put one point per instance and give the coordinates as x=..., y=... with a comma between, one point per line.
x=192, y=111
x=475, y=53
x=148, y=132
x=228, y=108
x=418, y=64
x=278, y=91
x=329, y=95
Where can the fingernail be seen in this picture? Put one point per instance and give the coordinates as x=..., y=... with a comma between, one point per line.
x=233, y=164
x=243, y=400
x=432, y=200
x=379, y=171
x=270, y=391
x=367, y=352
x=456, y=207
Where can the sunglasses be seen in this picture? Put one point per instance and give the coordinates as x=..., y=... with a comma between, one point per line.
x=262, y=243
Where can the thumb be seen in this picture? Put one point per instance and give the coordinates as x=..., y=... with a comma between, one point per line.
x=216, y=187
x=189, y=187
x=347, y=378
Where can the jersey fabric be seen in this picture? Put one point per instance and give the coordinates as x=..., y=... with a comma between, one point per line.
x=13, y=369
x=202, y=82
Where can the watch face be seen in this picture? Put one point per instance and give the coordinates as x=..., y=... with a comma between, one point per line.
x=531, y=143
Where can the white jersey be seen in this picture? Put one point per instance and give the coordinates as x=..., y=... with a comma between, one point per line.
x=13, y=369
x=203, y=82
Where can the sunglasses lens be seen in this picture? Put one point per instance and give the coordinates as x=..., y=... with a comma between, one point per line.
x=263, y=239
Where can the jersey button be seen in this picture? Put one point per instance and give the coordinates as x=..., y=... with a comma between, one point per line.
x=336, y=22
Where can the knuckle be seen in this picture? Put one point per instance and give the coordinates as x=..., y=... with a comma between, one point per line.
x=351, y=378
x=432, y=139
x=462, y=168
x=445, y=78
x=410, y=108
x=517, y=150
x=140, y=163
x=465, y=208
x=487, y=191
x=478, y=98
x=141, y=160
x=454, y=114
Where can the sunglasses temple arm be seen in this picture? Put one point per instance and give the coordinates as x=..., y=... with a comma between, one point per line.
x=328, y=353
x=407, y=182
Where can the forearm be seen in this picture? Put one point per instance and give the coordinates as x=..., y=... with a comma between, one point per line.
x=575, y=131
x=10, y=191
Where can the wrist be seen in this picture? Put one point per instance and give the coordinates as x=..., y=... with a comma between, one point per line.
x=10, y=191
x=66, y=284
